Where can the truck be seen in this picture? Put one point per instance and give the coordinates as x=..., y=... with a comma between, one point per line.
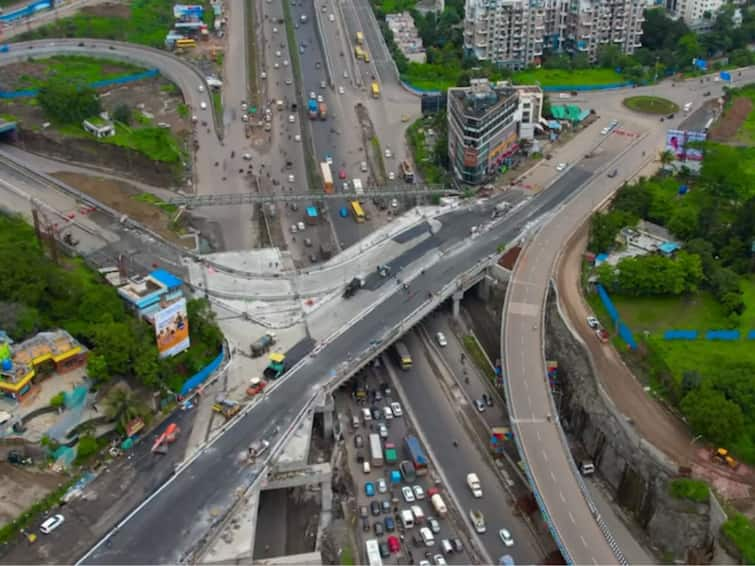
x=406, y=171
x=478, y=521
x=375, y=86
x=390, y=453
x=474, y=484
x=276, y=366
x=376, y=451
x=262, y=345
x=439, y=505
x=358, y=189
x=353, y=286
x=416, y=455
x=360, y=38
x=323, y=108
x=327, y=177
x=312, y=108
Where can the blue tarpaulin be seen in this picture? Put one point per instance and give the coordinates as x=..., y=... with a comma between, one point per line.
x=725, y=76
x=198, y=378
x=722, y=335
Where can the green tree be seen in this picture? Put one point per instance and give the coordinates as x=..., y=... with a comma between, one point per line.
x=115, y=341
x=122, y=113
x=86, y=447
x=67, y=101
x=546, y=110
x=604, y=227
x=58, y=400
x=666, y=157
x=146, y=366
x=684, y=222
x=580, y=61
x=97, y=368
x=122, y=406
x=709, y=413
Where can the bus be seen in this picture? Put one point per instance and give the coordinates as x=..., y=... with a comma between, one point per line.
x=184, y=43
x=417, y=455
x=376, y=451
x=373, y=552
x=360, y=38
x=375, y=89
x=356, y=208
x=404, y=358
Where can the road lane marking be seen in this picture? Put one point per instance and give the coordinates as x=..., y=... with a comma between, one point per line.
x=553, y=477
x=561, y=495
x=526, y=384
x=583, y=540
x=545, y=455
x=529, y=401
x=538, y=435
x=571, y=517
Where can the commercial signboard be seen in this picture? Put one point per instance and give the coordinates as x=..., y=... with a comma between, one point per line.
x=172, y=329
x=684, y=144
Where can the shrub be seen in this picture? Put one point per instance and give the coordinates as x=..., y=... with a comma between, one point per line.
x=59, y=400
x=685, y=488
x=739, y=529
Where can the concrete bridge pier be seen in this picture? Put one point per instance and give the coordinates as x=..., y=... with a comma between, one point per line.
x=456, y=297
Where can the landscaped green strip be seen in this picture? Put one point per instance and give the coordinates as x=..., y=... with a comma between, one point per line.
x=568, y=78
x=379, y=156
x=650, y=105
x=347, y=555
x=217, y=105
x=251, y=56
x=474, y=349
x=149, y=198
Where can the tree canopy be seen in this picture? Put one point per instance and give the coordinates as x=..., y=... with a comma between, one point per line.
x=68, y=102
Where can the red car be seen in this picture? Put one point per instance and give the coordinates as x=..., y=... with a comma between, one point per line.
x=256, y=386
x=432, y=491
x=342, y=173
x=602, y=335
x=394, y=545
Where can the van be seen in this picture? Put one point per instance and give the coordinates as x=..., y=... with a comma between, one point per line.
x=439, y=505
x=407, y=519
x=366, y=414
x=419, y=515
x=446, y=547
x=427, y=536
x=366, y=467
x=355, y=422
x=587, y=468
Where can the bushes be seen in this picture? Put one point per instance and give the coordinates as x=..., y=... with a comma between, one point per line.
x=58, y=400
x=740, y=531
x=685, y=488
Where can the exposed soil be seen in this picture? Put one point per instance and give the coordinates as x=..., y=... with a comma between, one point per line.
x=727, y=126
x=22, y=487
x=108, y=10
x=120, y=196
x=153, y=97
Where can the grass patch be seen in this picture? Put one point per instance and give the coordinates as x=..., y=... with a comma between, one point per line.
x=432, y=77
x=474, y=349
x=685, y=488
x=568, y=78
x=393, y=6
x=170, y=88
x=147, y=24
x=217, y=105
x=378, y=155
x=149, y=198
x=740, y=531
x=650, y=105
x=77, y=68
x=428, y=169
x=7, y=117
x=347, y=555
x=746, y=131
x=183, y=110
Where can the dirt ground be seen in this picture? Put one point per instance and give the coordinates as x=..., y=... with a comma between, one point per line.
x=727, y=126
x=119, y=195
x=22, y=487
x=108, y=9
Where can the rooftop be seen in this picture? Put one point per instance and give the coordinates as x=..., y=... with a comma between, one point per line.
x=56, y=345
x=481, y=97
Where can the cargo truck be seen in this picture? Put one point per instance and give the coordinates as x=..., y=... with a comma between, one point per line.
x=327, y=177
x=323, y=108
x=262, y=345
x=416, y=455
x=358, y=189
x=390, y=453
x=376, y=451
x=439, y=505
x=312, y=108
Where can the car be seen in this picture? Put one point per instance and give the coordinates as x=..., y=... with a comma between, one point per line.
x=560, y=166
x=297, y=137
x=405, y=117
x=320, y=98
x=308, y=244
x=479, y=405
x=427, y=536
x=383, y=431
x=294, y=229
x=425, y=563
x=440, y=338
x=247, y=157
x=407, y=471
x=331, y=18
x=201, y=88
x=285, y=62
x=358, y=441
x=439, y=560
x=382, y=487
x=363, y=511
x=313, y=95
x=375, y=508
x=369, y=489
x=378, y=529
x=51, y=524
x=328, y=157
x=301, y=49
x=291, y=178
x=203, y=105
x=488, y=399
x=396, y=408
x=391, y=176
x=506, y=537
x=341, y=90
x=342, y=173
x=343, y=212
x=506, y=560
x=384, y=551
x=365, y=465
x=457, y=544
x=592, y=322
x=345, y=74
x=434, y=525
x=419, y=493
x=291, y=118
x=365, y=524
x=276, y=65
x=345, y=186
x=432, y=491
x=408, y=494
x=394, y=203
x=394, y=545
x=388, y=154
x=275, y=30
x=613, y=173
x=300, y=226
x=390, y=524
x=605, y=131
x=277, y=53
x=387, y=413
x=323, y=85
x=289, y=82
x=376, y=414
x=385, y=504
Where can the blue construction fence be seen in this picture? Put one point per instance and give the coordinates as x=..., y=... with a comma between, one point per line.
x=624, y=332
x=148, y=74
x=725, y=335
x=198, y=378
x=26, y=11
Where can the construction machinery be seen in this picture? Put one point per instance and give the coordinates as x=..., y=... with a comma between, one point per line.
x=227, y=408
x=721, y=456
x=276, y=366
x=167, y=437
x=262, y=345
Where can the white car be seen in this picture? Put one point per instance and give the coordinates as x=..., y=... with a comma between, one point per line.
x=285, y=62
x=434, y=525
x=51, y=524
x=391, y=176
x=289, y=82
x=394, y=203
x=331, y=18
x=277, y=53
x=294, y=229
x=312, y=94
x=345, y=74
x=203, y=105
x=383, y=431
x=419, y=493
x=387, y=413
x=201, y=88
x=382, y=487
x=291, y=118
x=320, y=98
x=341, y=90
x=441, y=339
x=297, y=137
x=605, y=131
x=396, y=408
x=363, y=166
x=439, y=560
x=247, y=156
x=300, y=226
x=345, y=186
x=408, y=494
x=291, y=178
x=329, y=159
x=276, y=65
x=592, y=322
x=560, y=166
x=388, y=153
x=275, y=30
x=506, y=537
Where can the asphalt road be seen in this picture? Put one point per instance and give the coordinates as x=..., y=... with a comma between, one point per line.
x=435, y=415
x=169, y=525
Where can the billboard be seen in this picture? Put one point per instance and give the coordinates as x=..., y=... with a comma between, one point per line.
x=678, y=141
x=172, y=329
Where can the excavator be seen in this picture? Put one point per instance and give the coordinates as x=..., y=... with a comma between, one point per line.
x=721, y=456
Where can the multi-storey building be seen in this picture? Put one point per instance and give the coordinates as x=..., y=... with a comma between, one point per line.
x=406, y=37
x=515, y=33
x=482, y=129
x=700, y=14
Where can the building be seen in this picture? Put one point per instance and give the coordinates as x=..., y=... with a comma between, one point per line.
x=515, y=33
x=482, y=129
x=529, y=110
x=700, y=15
x=406, y=37
x=57, y=351
x=144, y=295
x=99, y=128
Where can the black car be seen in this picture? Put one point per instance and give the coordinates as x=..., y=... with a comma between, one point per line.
x=407, y=471
x=363, y=511
x=358, y=441
x=390, y=524
x=487, y=399
x=378, y=528
x=457, y=544
x=384, y=552
x=376, y=414
x=365, y=524
x=375, y=508
x=385, y=504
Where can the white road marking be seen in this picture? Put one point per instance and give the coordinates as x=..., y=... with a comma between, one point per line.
x=583, y=540
x=538, y=435
x=561, y=495
x=545, y=455
x=553, y=477
x=571, y=517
